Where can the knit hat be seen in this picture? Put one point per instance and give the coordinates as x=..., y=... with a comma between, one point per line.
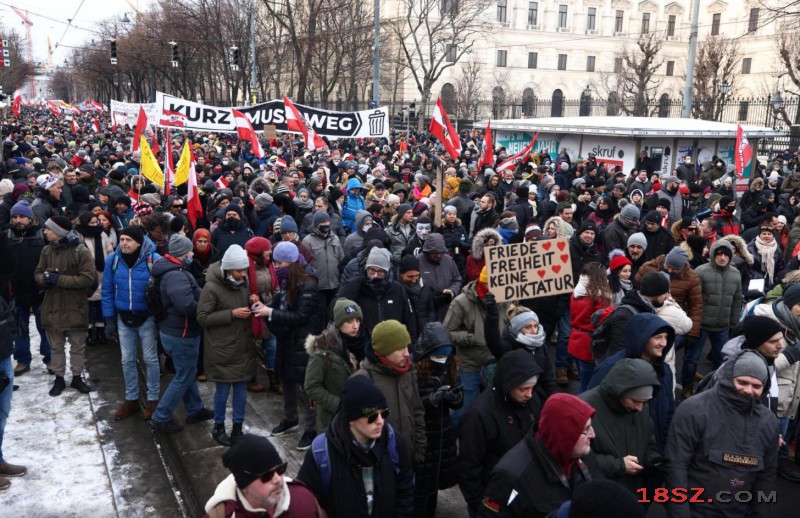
x=402, y=209
x=752, y=364
x=521, y=320
x=664, y=202
x=142, y=209
x=509, y=223
x=22, y=208
x=263, y=201
x=390, y=336
x=379, y=258
x=235, y=258
x=409, y=263
x=758, y=329
x=725, y=201
x=601, y=499
x=320, y=217
x=448, y=209
x=484, y=276
x=618, y=261
x=637, y=239
x=19, y=190
x=361, y=397
x=676, y=258
x=791, y=297
x=344, y=310
x=134, y=232
x=6, y=186
x=652, y=217
x=642, y=393
x=285, y=251
x=630, y=213
x=654, y=284
x=46, y=181
x=60, y=225
x=587, y=224
x=419, y=208
x=250, y=457
x=179, y=245
x=288, y=224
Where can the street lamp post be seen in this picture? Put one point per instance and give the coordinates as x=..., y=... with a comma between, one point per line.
x=724, y=88
x=777, y=104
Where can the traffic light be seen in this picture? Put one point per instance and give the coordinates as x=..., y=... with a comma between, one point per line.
x=235, y=58
x=412, y=114
x=174, y=61
x=398, y=119
x=113, y=52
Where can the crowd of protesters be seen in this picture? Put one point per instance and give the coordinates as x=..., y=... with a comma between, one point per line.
x=372, y=317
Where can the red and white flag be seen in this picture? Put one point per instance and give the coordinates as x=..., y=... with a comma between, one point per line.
x=169, y=168
x=74, y=125
x=246, y=132
x=522, y=156
x=173, y=118
x=280, y=163
x=141, y=125
x=222, y=183
x=444, y=131
x=95, y=126
x=487, y=158
x=744, y=151
x=17, y=104
x=297, y=123
x=186, y=165
x=54, y=107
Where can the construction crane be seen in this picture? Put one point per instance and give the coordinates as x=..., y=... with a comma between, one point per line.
x=28, y=24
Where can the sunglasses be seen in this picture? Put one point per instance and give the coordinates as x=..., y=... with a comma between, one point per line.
x=374, y=416
x=266, y=477
x=177, y=206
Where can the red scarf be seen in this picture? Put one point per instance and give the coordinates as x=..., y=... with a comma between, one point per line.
x=482, y=289
x=399, y=371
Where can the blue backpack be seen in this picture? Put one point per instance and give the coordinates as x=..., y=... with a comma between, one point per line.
x=319, y=447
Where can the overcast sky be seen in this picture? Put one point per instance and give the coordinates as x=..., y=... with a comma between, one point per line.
x=50, y=17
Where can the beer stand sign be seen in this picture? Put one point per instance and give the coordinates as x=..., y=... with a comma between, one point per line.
x=529, y=270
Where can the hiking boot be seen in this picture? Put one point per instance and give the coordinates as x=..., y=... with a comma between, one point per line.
x=100, y=335
x=237, y=432
x=561, y=376
x=4, y=483
x=10, y=470
x=203, y=414
x=285, y=427
x=788, y=469
x=128, y=408
x=305, y=441
x=21, y=369
x=149, y=408
x=219, y=435
x=58, y=386
x=91, y=340
x=274, y=384
x=165, y=428
x=255, y=387
x=80, y=385
x=572, y=372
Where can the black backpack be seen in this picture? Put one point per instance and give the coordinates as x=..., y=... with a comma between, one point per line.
x=152, y=298
x=601, y=320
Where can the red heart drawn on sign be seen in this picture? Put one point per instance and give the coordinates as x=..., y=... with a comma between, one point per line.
x=564, y=258
x=541, y=273
x=561, y=245
x=547, y=245
x=556, y=268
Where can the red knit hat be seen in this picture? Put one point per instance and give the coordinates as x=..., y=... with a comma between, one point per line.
x=618, y=262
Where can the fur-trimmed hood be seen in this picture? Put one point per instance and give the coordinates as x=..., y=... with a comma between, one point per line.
x=480, y=239
x=757, y=186
x=563, y=229
x=688, y=249
x=740, y=248
x=676, y=231
x=328, y=340
x=262, y=183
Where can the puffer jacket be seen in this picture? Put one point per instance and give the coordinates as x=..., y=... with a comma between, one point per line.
x=581, y=310
x=400, y=235
x=123, y=287
x=465, y=321
x=230, y=349
x=291, y=322
x=722, y=291
x=352, y=204
x=355, y=241
x=684, y=288
x=65, y=306
x=179, y=294
x=407, y=415
x=385, y=301
x=476, y=261
x=327, y=252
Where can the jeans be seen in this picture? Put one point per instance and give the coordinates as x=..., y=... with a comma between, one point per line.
x=693, y=348
x=22, y=345
x=148, y=334
x=183, y=387
x=586, y=371
x=221, y=401
x=95, y=312
x=564, y=328
x=786, y=427
x=270, y=346
x=471, y=381
x=5, y=399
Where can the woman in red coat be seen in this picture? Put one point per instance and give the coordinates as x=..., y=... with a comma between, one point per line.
x=591, y=293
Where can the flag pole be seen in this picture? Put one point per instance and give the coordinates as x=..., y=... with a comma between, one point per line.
x=437, y=207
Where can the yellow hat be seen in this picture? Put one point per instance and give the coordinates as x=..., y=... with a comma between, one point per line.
x=484, y=276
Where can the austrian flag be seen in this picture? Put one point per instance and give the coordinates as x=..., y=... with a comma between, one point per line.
x=299, y=124
x=744, y=151
x=173, y=118
x=444, y=131
x=246, y=132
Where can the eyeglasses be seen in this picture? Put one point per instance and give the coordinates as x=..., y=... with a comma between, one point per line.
x=374, y=416
x=377, y=272
x=267, y=476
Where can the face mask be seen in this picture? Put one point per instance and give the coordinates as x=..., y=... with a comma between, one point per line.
x=324, y=229
x=232, y=222
x=441, y=360
x=366, y=228
x=233, y=281
x=224, y=162
x=187, y=261
x=438, y=369
x=423, y=231
x=282, y=272
x=687, y=161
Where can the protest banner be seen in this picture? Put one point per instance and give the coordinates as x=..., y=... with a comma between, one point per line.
x=270, y=131
x=127, y=113
x=530, y=269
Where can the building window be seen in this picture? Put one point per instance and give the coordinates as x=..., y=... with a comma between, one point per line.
x=562, y=15
x=449, y=8
x=670, y=68
x=671, y=25
x=557, y=103
x=744, y=106
x=715, y=24
x=452, y=52
x=590, y=63
x=533, y=13
x=645, y=23
x=663, y=106
x=562, y=61
x=746, y=63
x=752, y=25
x=618, y=21
x=502, y=55
x=617, y=65
x=590, y=18
x=501, y=11
x=533, y=59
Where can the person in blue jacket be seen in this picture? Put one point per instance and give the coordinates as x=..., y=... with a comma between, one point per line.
x=353, y=202
x=648, y=337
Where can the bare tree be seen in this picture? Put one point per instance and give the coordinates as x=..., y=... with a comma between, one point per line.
x=435, y=34
x=634, y=85
x=788, y=44
x=468, y=90
x=717, y=61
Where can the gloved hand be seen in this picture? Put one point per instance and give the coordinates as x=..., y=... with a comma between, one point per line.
x=51, y=278
x=454, y=396
x=111, y=326
x=439, y=395
x=792, y=354
x=658, y=464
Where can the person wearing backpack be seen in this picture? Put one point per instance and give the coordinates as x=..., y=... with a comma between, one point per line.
x=178, y=291
x=66, y=272
x=371, y=460
x=125, y=278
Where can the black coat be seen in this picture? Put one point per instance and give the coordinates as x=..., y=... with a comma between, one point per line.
x=658, y=243
x=291, y=322
x=581, y=255
x=222, y=238
x=346, y=497
x=378, y=303
x=530, y=470
x=26, y=246
x=455, y=239
x=420, y=300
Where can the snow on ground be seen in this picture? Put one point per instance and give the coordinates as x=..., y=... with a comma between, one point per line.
x=58, y=440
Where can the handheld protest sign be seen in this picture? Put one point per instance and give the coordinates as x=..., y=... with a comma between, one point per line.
x=530, y=269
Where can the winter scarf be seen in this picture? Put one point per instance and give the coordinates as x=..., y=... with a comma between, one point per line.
x=399, y=371
x=787, y=319
x=96, y=234
x=767, y=253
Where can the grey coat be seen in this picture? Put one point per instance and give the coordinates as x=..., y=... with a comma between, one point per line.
x=722, y=291
x=327, y=254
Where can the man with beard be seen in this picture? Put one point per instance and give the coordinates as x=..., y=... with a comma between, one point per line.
x=232, y=231
x=257, y=486
x=420, y=296
x=637, y=246
x=618, y=231
x=484, y=215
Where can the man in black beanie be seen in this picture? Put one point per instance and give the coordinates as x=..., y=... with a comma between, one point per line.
x=371, y=461
x=724, y=220
x=257, y=484
x=420, y=296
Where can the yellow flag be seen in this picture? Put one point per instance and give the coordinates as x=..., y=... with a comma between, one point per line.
x=150, y=168
x=182, y=169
